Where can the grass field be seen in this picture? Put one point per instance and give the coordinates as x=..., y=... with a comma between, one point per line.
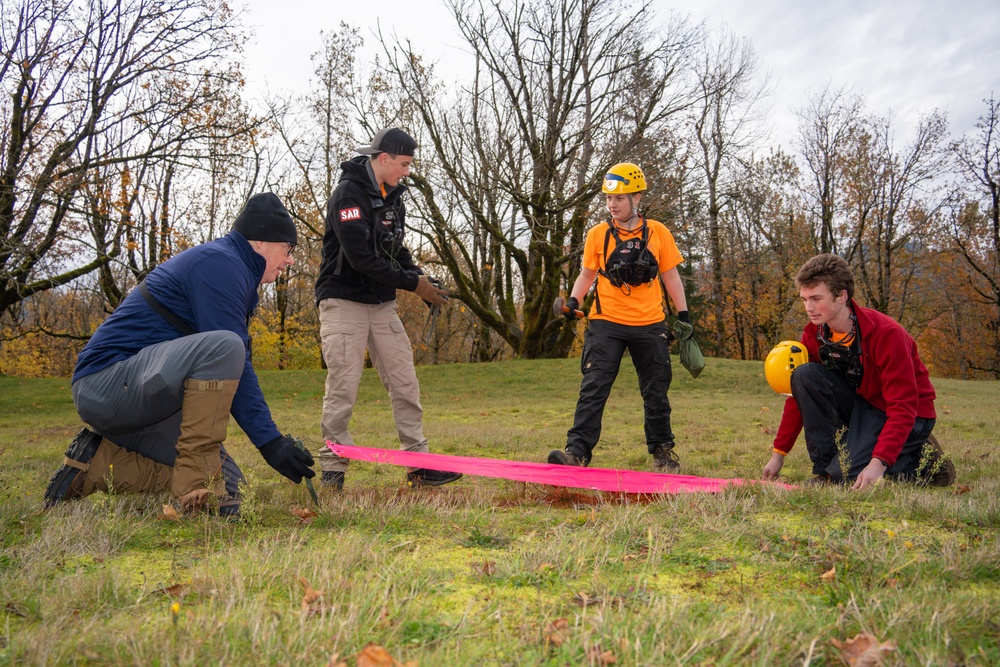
x=491, y=572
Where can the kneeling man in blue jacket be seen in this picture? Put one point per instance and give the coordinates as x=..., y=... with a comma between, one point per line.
x=161, y=376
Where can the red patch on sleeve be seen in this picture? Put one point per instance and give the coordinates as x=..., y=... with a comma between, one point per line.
x=347, y=214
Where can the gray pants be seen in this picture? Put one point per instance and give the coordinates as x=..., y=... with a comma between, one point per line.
x=347, y=329
x=136, y=403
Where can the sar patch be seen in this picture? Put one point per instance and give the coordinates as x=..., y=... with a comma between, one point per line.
x=348, y=214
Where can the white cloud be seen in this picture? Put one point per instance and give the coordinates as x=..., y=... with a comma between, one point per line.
x=907, y=57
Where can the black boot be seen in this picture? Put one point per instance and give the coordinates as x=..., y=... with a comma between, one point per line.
x=67, y=483
x=333, y=478
x=426, y=477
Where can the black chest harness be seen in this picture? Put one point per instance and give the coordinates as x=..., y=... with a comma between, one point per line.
x=843, y=356
x=631, y=263
x=388, y=229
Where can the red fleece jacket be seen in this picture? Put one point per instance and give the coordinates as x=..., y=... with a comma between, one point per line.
x=895, y=381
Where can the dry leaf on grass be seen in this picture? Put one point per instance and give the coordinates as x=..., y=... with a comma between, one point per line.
x=643, y=552
x=962, y=488
x=557, y=632
x=489, y=567
x=598, y=657
x=374, y=655
x=170, y=513
x=304, y=514
x=175, y=591
x=312, y=599
x=863, y=650
x=829, y=574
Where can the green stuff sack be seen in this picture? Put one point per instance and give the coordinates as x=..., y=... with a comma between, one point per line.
x=691, y=357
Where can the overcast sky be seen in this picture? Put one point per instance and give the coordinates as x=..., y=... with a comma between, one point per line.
x=910, y=57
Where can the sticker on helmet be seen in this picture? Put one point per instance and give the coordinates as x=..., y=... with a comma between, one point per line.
x=610, y=185
x=348, y=214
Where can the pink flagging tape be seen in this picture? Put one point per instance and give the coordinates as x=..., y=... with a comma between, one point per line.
x=597, y=479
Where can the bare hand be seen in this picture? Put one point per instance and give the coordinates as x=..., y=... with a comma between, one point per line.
x=870, y=475
x=773, y=466
x=429, y=293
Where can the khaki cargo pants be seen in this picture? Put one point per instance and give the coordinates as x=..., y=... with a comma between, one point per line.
x=348, y=329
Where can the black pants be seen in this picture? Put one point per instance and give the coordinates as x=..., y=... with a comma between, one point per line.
x=828, y=404
x=604, y=345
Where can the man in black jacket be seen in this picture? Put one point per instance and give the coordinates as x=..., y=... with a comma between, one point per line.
x=364, y=263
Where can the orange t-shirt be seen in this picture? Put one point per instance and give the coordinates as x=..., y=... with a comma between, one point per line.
x=630, y=305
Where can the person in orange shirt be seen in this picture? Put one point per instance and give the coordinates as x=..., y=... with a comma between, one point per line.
x=630, y=257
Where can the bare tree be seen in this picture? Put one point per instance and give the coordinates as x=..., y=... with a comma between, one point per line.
x=726, y=125
x=975, y=228
x=891, y=198
x=768, y=235
x=826, y=125
x=93, y=85
x=317, y=128
x=561, y=90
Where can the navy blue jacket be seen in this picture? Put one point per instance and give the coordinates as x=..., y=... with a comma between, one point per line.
x=211, y=287
x=364, y=259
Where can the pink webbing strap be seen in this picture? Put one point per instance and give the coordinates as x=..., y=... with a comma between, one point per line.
x=598, y=479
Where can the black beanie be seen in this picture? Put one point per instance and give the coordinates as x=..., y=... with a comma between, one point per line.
x=265, y=218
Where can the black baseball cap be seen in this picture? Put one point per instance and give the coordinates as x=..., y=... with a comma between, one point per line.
x=390, y=140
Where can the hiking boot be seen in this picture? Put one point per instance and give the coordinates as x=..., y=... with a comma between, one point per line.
x=564, y=458
x=665, y=460
x=333, y=479
x=67, y=483
x=939, y=470
x=229, y=509
x=427, y=477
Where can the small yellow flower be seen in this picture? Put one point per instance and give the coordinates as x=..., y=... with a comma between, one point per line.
x=890, y=533
x=908, y=544
x=175, y=610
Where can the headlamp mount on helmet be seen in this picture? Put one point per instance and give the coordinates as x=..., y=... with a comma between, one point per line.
x=623, y=178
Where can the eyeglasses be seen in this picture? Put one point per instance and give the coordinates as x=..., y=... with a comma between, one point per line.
x=291, y=249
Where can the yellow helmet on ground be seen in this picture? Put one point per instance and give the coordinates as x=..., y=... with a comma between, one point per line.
x=623, y=178
x=781, y=361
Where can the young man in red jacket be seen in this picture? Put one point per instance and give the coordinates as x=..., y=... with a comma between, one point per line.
x=864, y=386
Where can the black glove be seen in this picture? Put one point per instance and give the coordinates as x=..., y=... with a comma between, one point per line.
x=573, y=305
x=292, y=462
x=684, y=316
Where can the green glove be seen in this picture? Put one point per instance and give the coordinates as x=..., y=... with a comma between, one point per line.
x=691, y=357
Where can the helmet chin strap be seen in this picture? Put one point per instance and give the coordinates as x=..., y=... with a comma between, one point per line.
x=633, y=211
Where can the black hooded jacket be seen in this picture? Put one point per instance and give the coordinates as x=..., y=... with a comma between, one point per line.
x=364, y=259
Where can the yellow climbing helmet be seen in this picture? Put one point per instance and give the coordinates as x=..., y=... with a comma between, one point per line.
x=781, y=361
x=623, y=178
